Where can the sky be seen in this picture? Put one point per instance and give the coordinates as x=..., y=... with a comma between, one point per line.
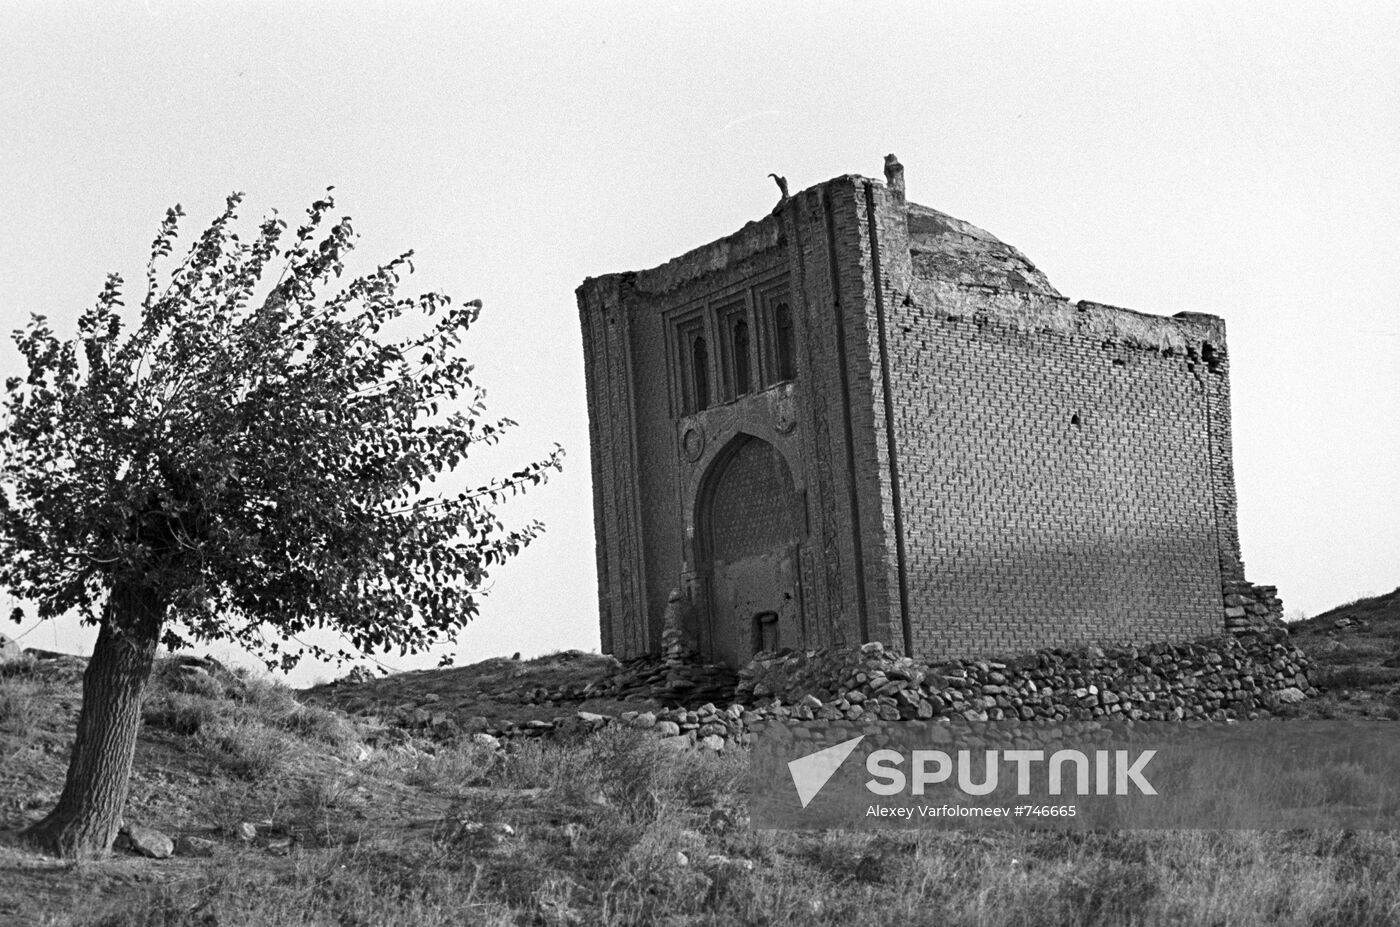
x=1236, y=159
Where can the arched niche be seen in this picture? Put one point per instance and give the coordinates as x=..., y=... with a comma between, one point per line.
x=750, y=524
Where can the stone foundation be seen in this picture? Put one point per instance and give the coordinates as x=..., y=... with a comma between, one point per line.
x=1241, y=677
x=1250, y=608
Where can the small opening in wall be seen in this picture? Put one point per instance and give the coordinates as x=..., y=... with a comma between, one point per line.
x=740, y=346
x=1119, y=362
x=1074, y=419
x=700, y=374
x=765, y=631
x=782, y=323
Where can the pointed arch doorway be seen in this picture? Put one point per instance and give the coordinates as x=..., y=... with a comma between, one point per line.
x=750, y=527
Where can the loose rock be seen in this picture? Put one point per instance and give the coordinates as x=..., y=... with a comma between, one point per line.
x=149, y=842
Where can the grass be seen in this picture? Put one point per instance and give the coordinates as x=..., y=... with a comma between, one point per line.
x=253, y=727
x=19, y=705
x=607, y=828
x=632, y=865
x=611, y=829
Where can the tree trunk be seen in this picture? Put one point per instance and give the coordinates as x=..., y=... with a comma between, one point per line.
x=88, y=814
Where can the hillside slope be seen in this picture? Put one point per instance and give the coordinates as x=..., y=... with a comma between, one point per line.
x=1356, y=647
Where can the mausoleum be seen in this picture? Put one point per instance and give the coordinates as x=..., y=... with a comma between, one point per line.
x=862, y=419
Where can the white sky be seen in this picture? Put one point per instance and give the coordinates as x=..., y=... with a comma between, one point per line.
x=1237, y=159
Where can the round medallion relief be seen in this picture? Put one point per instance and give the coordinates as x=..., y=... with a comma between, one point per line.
x=693, y=442
x=785, y=415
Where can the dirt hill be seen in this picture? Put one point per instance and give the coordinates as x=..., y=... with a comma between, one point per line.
x=1357, y=650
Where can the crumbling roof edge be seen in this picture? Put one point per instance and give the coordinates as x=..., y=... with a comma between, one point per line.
x=1204, y=325
x=754, y=237
x=1126, y=327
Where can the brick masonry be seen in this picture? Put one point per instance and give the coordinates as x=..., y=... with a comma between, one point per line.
x=977, y=465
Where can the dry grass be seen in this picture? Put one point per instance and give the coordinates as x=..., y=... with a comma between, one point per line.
x=609, y=828
x=650, y=861
x=19, y=705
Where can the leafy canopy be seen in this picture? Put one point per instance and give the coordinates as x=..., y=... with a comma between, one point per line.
x=255, y=454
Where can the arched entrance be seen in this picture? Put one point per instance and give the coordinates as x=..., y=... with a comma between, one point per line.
x=750, y=525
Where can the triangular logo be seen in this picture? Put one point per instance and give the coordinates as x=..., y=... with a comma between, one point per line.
x=811, y=772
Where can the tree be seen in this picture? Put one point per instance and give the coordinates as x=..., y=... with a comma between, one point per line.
x=251, y=458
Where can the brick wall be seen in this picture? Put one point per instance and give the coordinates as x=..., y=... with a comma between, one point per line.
x=1061, y=469
x=830, y=308
x=612, y=439
x=1057, y=491
x=657, y=453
